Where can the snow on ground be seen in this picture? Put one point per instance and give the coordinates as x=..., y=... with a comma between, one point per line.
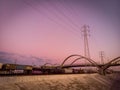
x=61, y=82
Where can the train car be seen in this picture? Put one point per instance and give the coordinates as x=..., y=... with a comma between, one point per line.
x=36, y=70
x=7, y=69
x=68, y=70
x=18, y=72
x=1, y=64
x=76, y=71
x=47, y=69
x=4, y=73
x=28, y=69
x=11, y=69
x=9, y=66
x=20, y=67
x=25, y=69
x=58, y=71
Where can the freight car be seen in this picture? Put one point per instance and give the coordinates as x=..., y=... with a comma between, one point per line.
x=7, y=69
x=18, y=72
x=8, y=66
x=1, y=64
x=28, y=69
x=22, y=69
x=68, y=70
x=1, y=69
x=47, y=69
x=78, y=71
x=51, y=70
x=15, y=69
x=36, y=70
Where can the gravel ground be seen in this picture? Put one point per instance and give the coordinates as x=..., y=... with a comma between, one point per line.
x=61, y=82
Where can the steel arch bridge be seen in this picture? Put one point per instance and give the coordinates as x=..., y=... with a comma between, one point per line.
x=78, y=58
x=101, y=69
x=109, y=64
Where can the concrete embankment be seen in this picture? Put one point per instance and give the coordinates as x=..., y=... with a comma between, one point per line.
x=61, y=82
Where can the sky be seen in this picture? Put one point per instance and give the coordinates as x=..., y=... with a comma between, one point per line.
x=52, y=29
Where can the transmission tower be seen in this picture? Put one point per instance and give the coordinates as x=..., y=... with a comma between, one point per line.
x=85, y=35
x=102, y=57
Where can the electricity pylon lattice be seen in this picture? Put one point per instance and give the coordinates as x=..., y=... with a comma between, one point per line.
x=85, y=30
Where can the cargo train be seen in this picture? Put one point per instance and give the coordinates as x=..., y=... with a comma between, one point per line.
x=11, y=69
x=17, y=69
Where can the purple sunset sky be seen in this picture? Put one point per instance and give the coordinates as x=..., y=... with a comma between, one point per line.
x=52, y=28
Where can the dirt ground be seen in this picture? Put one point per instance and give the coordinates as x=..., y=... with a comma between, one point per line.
x=61, y=82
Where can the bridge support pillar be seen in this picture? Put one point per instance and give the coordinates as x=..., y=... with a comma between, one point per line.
x=101, y=71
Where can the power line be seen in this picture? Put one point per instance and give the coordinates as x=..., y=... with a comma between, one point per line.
x=63, y=14
x=71, y=11
x=43, y=13
x=68, y=9
x=60, y=13
x=57, y=14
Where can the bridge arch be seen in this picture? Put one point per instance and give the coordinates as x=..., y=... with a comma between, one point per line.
x=75, y=60
x=115, y=60
x=109, y=64
x=47, y=64
x=80, y=57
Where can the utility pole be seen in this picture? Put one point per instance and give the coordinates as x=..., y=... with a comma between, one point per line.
x=102, y=57
x=15, y=66
x=15, y=61
x=86, y=45
x=33, y=64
